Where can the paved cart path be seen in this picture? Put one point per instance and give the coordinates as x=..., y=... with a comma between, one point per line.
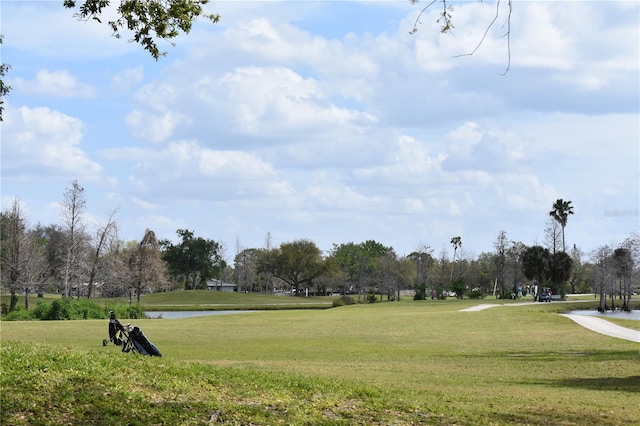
x=596, y=324
x=602, y=326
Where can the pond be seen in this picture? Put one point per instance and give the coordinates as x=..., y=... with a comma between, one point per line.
x=633, y=315
x=188, y=314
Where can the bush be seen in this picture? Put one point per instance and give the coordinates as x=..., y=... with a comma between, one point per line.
x=371, y=298
x=476, y=293
x=74, y=309
x=344, y=300
x=19, y=314
x=421, y=293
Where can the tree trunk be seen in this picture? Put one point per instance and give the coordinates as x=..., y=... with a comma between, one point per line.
x=13, y=301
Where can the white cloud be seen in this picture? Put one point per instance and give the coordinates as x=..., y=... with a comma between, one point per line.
x=40, y=142
x=123, y=81
x=54, y=83
x=305, y=120
x=152, y=127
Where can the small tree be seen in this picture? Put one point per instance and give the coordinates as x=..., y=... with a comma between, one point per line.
x=72, y=213
x=536, y=264
x=13, y=232
x=147, y=270
x=603, y=274
x=102, y=237
x=459, y=288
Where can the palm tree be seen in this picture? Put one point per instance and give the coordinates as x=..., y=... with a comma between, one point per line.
x=455, y=242
x=561, y=211
x=536, y=264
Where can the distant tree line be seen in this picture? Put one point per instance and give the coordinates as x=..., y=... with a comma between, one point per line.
x=69, y=259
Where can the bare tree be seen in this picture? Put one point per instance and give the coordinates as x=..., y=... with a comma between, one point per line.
x=13, y=250
x=501, y=246
x=33, y=267
x=23, y=259
x=514, y=251
x=113, y=270
x=603, y=274
x=578, y=274
x=553, y=235
x=146, y=266
x=73, y=208
x=100, y=242
x=442, y=263
x=623, y=264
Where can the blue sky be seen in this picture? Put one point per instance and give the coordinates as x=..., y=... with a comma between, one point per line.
x=327, y=120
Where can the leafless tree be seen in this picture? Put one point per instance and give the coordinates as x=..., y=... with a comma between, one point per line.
x=513, y=253
x=603, y=274
x=553, y=235
x=73, y=208
x=33, y=267
x=100, y=242
x=147, y=270
x=501, y=245
x=13, y=250
x=624, y=267
x=23, y=258
x=389, y=274
x=113, y=271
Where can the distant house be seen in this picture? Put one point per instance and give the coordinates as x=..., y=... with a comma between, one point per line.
x=218, y=285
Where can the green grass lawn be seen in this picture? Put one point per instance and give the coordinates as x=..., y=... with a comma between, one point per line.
x=200, y=300
x=392, y=363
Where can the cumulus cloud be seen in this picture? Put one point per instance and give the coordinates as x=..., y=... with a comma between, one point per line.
x=185, y=170
x=60, y=84
x=40, y=142
x=123, y=81
x=304, y=120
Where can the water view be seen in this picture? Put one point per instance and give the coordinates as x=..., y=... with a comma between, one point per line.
x=633, y=315
x=188, y=314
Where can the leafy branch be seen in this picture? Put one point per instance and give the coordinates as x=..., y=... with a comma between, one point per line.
x=149, y=20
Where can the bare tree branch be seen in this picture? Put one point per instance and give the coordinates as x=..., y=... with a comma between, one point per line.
x=446, y=26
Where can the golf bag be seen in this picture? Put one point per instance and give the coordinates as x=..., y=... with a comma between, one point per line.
x=130, y=338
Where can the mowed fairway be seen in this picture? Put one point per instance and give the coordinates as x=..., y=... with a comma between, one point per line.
x=504, y=365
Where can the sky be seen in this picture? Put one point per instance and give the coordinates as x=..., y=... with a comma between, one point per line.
x=329, y=121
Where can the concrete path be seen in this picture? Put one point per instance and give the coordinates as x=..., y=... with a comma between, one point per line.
x=605, y=327
x=596, y=324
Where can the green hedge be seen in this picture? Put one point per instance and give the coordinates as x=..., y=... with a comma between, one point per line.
x=73, y=309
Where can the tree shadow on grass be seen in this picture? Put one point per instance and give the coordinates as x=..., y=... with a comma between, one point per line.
x=592, y=355
x=620, y=384
x=553, y=416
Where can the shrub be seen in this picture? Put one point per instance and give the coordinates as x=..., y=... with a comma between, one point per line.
x=344, y=300
x=372, y=298
x=19, y=314
x=85, y=309
x=73, y=309
x=421, y=292
x=59, y=310
x=476, y=293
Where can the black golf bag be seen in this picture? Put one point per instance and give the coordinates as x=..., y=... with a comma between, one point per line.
x=130, y=338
